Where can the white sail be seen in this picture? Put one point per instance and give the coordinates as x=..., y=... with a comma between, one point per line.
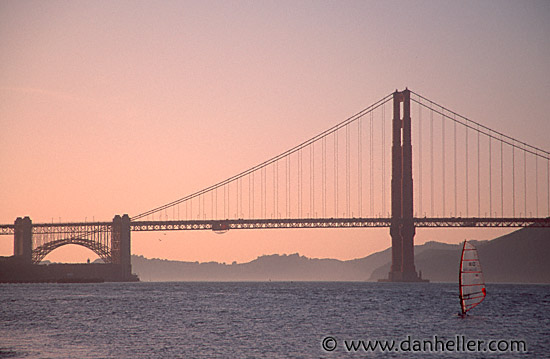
x=471, y=283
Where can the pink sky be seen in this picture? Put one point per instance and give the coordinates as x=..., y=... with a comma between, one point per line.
x=118, y=107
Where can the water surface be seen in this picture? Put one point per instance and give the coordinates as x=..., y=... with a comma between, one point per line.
x=263, y=320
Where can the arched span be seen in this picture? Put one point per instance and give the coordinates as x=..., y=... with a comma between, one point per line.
x=39, y=253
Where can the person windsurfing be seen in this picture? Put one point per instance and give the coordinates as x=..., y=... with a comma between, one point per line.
x=470, y=279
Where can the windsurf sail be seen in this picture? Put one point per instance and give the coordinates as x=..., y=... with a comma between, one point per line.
x=470, y=279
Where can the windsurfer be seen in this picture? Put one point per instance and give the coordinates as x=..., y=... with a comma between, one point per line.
x=470, y=279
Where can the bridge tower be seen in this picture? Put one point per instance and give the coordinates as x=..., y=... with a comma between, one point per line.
x=402, y=225
x=22, y=239
x=120, y=245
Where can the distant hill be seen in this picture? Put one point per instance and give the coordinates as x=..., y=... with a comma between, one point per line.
x=437, y=261
x=521, y=256
x=518, y=257
x=270, y=267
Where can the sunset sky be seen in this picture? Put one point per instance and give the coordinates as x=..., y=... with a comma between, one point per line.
x=113, y=107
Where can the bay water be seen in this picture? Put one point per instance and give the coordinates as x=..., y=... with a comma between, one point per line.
x=270, y=320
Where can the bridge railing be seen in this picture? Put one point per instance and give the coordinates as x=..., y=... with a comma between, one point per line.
x=224, y=225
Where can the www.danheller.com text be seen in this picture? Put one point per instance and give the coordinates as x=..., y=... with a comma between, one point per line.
x=458, y=343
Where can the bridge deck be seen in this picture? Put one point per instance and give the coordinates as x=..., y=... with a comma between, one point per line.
x=334, y=223
x=221, y=225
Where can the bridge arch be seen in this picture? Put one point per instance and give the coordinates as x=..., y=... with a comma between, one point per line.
x=39, y=253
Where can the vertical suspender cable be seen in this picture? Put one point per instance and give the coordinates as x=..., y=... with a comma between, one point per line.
x=431, y=161
x=536, y=184
x=349, y=173
x=253, y=192
x=467, y=187
x=298, y=182
x=371, y=164
x=525, y=183
x=455, y=171
x=513, y=180
x=301, y=183
x=324, y=176
x=262, y=193
x=240, y=197
x=501, y=178
x=348, y=180
x=359, y=168
x=384, y=122
x=478, y=179
x=336, y=174
x=325, y=179
x=275, y=189
x=265, y=191
x=419, y=160
x=443, y=173
x=300, y=179
x=228, y=199
x=291, y=198
x=287, y=188
x=312, y=179
x=490, y=179
x=384, y=160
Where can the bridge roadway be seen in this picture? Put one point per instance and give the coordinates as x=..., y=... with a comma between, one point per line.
x=78, y=228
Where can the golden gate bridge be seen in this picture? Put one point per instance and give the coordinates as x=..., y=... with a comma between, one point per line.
x=359, y=173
